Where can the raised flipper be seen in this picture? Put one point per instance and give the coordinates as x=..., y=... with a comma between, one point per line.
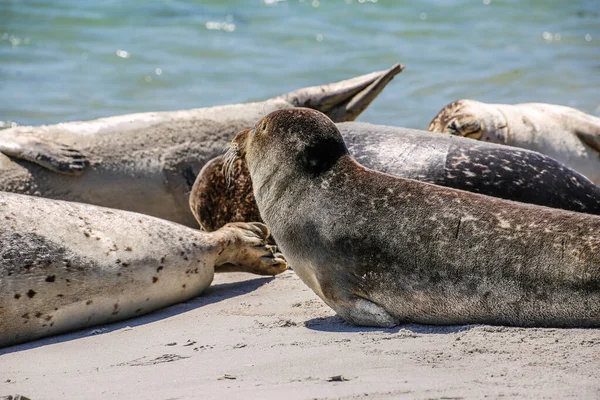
x=50, y=154
x=345, y=100
x=246, y=249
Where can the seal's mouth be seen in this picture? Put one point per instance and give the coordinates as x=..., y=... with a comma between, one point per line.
x=236, y=150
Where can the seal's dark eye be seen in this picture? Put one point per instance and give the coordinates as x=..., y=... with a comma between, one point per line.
x=264, y=126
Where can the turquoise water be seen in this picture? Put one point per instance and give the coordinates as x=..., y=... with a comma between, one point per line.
x=81, y=59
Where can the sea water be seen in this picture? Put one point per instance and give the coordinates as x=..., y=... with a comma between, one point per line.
x=64, y=60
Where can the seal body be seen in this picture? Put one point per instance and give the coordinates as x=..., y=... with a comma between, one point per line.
x=382, y=250
x=445, y=160
x=563, y=133
x=148, y=162
x=66, y=266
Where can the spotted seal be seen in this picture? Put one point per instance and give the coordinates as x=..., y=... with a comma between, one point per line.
x=148, y=162
x=66, y=266
x=446, y=160
x=382, y=250
x=564, y=133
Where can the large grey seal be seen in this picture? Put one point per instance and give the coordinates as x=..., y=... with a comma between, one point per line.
x=148, y=162
x=65, y=266
x=382, y=250
x=564, y=133
x=444, y=160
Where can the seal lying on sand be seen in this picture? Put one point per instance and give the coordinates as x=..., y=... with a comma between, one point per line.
x=148, y=162
x=444, y=160
x=566, y=134
x=66, y=266
x=382, y=250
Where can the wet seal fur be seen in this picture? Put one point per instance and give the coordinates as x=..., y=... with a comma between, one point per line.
x=445, y=160
x=66, y=266
x=382, y=250
x=563, y=133
x=148, y=162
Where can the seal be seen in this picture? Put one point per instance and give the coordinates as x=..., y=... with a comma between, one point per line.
x=382, y=250
x=564, y=133
x=445, y=160
x=148, y=162
x=67, y=266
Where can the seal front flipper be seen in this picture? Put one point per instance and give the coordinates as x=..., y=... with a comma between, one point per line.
x=364, y=312
x=246, y=249
x=50, y=154
x=590, y=137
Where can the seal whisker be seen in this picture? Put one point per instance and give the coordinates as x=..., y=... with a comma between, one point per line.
x=229, y=158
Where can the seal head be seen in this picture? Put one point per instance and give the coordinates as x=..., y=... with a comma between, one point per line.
x=471, y=119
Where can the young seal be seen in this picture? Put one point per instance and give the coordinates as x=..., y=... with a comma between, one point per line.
x=66, y=266
x=148, y=162
x=566, y=134
x=382, y=250
x=444, y=160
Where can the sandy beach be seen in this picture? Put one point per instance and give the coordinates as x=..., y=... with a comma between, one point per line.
x=273, y=338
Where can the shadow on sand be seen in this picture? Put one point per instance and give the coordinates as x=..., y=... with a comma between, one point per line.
x=337, y=324
x=213, y=294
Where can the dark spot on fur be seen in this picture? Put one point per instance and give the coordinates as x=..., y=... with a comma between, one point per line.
x=185, y=258
x=118, y=261
x=116, y=305
x=50, y=278
x=31, y=293
x=119, y=274
x=26, y=316
x=127, y=248
x=87, y=303
x=48, y=317
x=17, y=296
x=51, y=324
x=68, y=280
x=38, y=314
x=320, y=156
x=60, y=295
x=196, y=270
x=147, y=298
x=154, y=279
x=86, y=233
x=184, y=286
x=125, y=264
x=138, y=310
x=159, y=269
x=162, y=259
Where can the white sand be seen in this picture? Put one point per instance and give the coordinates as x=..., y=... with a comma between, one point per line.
x=276, y=340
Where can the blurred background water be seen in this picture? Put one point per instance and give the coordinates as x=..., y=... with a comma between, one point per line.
x=66, y=60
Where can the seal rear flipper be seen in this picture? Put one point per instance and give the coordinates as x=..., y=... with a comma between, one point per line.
x=345, y=100
x=246, y=249
x=50, y=154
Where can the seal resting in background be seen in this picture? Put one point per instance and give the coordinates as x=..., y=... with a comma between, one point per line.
x=148, y=162
x=444, y=160
x=66, y=266
x=382, y=250
x=563, y=133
